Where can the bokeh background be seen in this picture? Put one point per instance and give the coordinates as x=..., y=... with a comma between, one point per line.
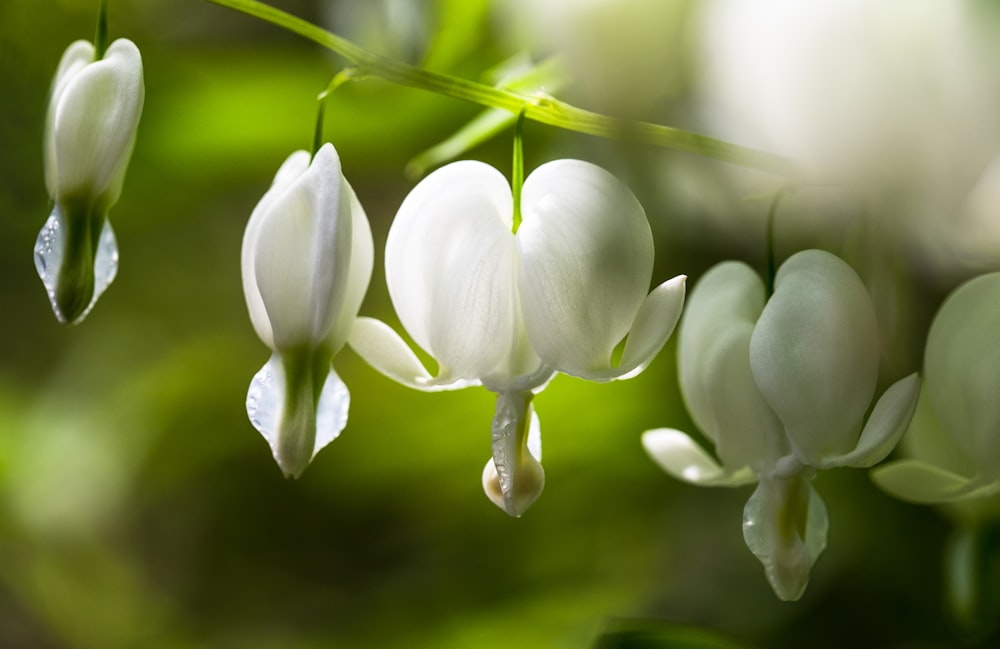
x=139, y=508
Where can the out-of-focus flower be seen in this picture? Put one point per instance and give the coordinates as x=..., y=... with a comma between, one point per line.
x=507, y=310
x=780, y=387
x=307, y=260
x=90, y=129
x=954, y=442
x=895, y=99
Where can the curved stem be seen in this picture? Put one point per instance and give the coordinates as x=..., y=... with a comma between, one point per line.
x=339, y=79
x=517, y=175
x=540, y=108
x=101, y=33
x=769, y=244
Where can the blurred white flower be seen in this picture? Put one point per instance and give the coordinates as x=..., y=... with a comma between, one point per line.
x=780, y=387
x=307, y=260
x=508, y=310
x=93, y=114
x=954, y=442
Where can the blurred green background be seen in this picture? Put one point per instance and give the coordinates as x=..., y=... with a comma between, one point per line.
x=139, y=508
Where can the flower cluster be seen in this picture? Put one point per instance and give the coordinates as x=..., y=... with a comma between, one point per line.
x=780, y=386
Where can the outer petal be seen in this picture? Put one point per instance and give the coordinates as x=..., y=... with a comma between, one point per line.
x=785, y=525
x=586, y=259
x=962, y=371
x=450, y=268
x=293, y=167
x=93, y=127
x=814, y=354
x=714, y=367
x=358, y=274
x=383, y=349
x=302, y=254
x=919, y=482
x=78, y=55
x=885, y=426
x=684, y=459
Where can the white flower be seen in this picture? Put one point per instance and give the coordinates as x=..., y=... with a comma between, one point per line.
x=307, y=259
x=508, y=310
x=90, y=128
x=954, y=442
x=780, y=387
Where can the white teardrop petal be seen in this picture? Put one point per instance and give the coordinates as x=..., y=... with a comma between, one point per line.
x=814, y=354
x=586, y=254
x=450, y=268
x=95, y=121
x=885, y=426
x=684, y=459
x=360, y=271
x=301, y=254
x=293, y=167
x=713, y=350
x=76, y=56
x=962, y=370
x=385, y=350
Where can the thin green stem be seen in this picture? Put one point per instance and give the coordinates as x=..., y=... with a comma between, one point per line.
x=769, y=245
x=101, y=34
x=517, y=176
x=536, y=107
x=339, y=79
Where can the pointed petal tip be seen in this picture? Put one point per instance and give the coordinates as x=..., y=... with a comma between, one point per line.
x=526, y=490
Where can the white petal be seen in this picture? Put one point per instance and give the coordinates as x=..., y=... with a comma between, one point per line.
x=383, y=349
x=785, y=525
x=918, y=482
x=360, y=271
x=713, y=350
x=885, y=426
x=586, y=260
x=962, y=371
x=293, y=167
x=684, y=459
x=450, y=268
x=94, y=124
x=513, y=478
x=75, y=58
x=50, y=247
x=302, y=254
x=295, y=440
x=814, y=354
x=653, y=325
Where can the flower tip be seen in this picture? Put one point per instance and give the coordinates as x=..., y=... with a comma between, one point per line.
x=523, y=491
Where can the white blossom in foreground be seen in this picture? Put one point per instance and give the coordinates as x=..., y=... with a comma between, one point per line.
x=93, y=114
x=780, y=387
x=954, y=441
x=507, y=310
x=307, y=260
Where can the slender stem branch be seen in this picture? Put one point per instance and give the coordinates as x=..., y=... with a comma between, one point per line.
x=101, y=33
x=536, y=107
x=517, y=176
x=771, y=265
x=339, y=79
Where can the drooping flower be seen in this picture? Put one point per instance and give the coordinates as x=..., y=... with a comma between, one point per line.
x=307, y=260
x=508, y=310
x=93, y=114
x=954, y=442
x=780, y=387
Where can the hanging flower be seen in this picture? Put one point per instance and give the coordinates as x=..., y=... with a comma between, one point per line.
x=954, y=442
x=508, y=310
x=780, y=387
x=90, y=129
x=307, y=259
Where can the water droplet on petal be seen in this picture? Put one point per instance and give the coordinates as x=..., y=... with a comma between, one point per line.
x=49, y=249
x=266, y=400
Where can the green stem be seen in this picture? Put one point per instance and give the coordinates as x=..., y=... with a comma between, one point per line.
x=339, y=79
x=543, y=109
x=517, y=176
x=101, y=34
x=771, y=265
